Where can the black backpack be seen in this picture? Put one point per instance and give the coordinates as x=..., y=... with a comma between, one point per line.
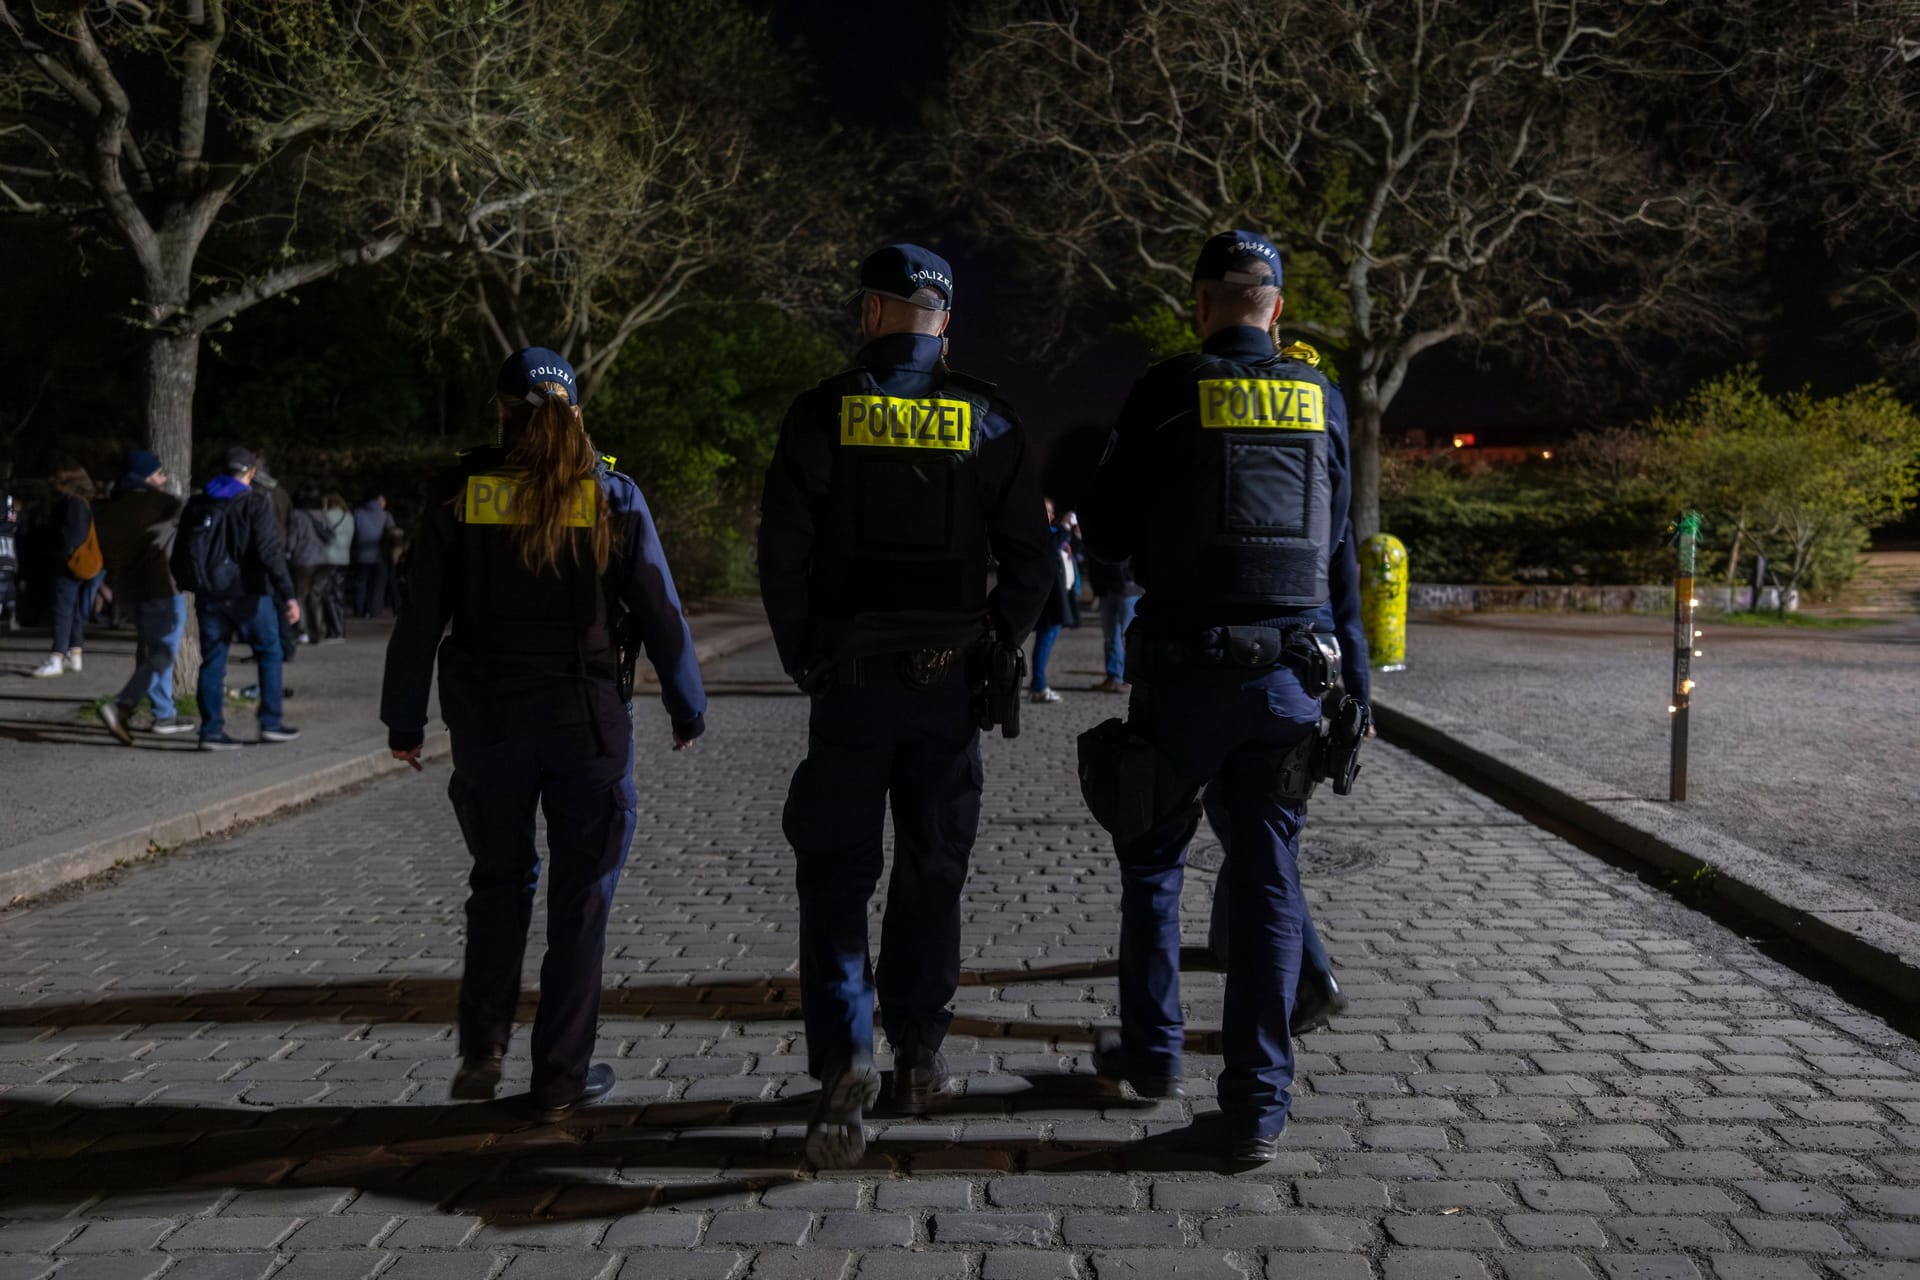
x=203, y=560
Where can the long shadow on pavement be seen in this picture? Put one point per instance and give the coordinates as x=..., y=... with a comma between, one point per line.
x=422, y=999
x=483, y=1159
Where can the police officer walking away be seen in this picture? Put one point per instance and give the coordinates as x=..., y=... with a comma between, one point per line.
x=546, y=564
x=1226, y=482
x=892, y=484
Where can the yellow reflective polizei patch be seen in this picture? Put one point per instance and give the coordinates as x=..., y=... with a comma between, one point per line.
x=1251, y=404
x=892, y=422
x=490, y=500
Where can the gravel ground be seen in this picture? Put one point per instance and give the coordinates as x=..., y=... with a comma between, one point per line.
x=1803, y=744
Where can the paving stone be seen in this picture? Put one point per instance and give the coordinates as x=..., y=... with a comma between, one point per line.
x=901, y=1264
x=1564, y=1196
x=1651, y=1234
x=1546, y=1266
x=1888, y=1239
x=223, y=1266
x=863, y=1230
x=116, y=1267
x=125, y=1235
x=1677, y=1199
x=1554, y=1230
x=1038, y=1191
x=1027, y=1264
x=1160, y=1264
x=1288, y=1231
x=758, y=1227
x=440, y=1266
x=558, y=1264
x=1648, y=1266
x=1431, y=1264
x=1735, y=1266
x=1318, y=1266
x=689, y=1264
x=992, y=1228
x=343, y=1264
x=1779, y=1235
x=801, y=1264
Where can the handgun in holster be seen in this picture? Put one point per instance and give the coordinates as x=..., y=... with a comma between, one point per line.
x=627, y=643
x=1340, y=743
x=996, y=687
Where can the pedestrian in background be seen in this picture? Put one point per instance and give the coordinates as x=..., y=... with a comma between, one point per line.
x=372, y=523
x=307, y=535
x=338, y=519
x=10, y=530
x=1063, y=602
x=229, y=554
x=538, y=555
x=137, y=527
x=1117, y=594
x=77, y=568
x=264, y=481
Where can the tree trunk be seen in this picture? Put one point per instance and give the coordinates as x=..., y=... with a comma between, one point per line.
x=1363, y=429
x=173, y=364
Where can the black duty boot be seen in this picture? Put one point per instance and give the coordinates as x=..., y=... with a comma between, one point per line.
x=1253, y=1149
x=837, y=1131
x=597, y=1085
x=1315, y=1001
x=478, y=1076
x=1110, y=1063
x=920, y=1080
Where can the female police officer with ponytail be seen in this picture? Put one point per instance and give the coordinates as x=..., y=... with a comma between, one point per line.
x=546, y=564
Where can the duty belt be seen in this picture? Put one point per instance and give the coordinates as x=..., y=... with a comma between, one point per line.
x=1314, y=658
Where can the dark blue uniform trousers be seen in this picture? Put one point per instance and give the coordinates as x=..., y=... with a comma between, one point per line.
x=1221, y=725
x=867, y=743
x=590, y=802
x=1313, y=952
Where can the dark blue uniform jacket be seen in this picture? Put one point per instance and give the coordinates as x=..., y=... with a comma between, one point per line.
x=1114, y=519
x=793, y=520
x=637, y=577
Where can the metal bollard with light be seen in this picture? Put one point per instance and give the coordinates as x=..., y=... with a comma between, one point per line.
x=1683, y=535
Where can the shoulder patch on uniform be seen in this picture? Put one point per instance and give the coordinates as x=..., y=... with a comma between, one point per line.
x=1304, y=352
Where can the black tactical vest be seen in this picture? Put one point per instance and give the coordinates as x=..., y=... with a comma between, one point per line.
x=1245, y=513
x=906, y=527
x=504, y=609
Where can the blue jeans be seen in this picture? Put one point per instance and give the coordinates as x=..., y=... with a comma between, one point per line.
x=72, y=606
x=867, y=744
x=1043, y=642
x=1221, y=724
x=159, y=624
x=222, y=622
x=590, y=803
x=1116, y=615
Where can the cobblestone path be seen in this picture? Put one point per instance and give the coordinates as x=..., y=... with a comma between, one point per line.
x=233, y=1063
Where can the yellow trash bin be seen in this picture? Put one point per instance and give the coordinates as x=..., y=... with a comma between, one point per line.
x=1383, y=600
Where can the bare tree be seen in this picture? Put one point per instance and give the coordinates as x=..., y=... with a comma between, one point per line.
x=677, y=172
x=1437, y=171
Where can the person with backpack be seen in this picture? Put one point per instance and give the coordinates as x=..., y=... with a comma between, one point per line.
x=230, y=555
x=136, y=532
x=264, y=481
x=77, y=568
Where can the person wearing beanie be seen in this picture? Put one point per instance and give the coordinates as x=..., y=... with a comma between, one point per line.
x=535, y=577
x=136, y=528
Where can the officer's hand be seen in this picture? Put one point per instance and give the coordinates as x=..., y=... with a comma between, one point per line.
x=412, y=756
x=293, y=613
x=679, y=744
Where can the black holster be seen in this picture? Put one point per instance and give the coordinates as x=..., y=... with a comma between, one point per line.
x=994, y=674
x=1128, y=783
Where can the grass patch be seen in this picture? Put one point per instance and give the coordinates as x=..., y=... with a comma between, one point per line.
x=186, y=707
x=1802, y=621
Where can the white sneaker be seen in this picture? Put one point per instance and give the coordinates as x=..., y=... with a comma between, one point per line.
x=73, y=659
x=1043, y=695
x=55, y=665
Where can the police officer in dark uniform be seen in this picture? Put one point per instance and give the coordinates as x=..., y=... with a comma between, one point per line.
x=1226, y=481
x=546, y=564
x=893, y=484
x=1318, y=995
